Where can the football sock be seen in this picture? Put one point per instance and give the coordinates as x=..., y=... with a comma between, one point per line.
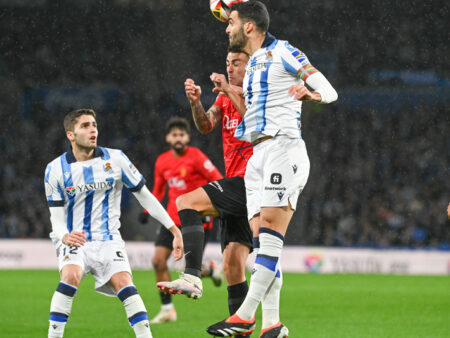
x=236, y=296
x=166, y=298
x=136, y=312
x=271, y=301
x=193, y=238
x=264, y=271
x=60, y=308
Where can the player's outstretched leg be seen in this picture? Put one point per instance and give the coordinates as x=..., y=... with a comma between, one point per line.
x=189, y=283
x=136, y=312
x=60, y=308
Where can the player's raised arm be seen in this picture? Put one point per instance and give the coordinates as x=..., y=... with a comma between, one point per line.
x=222, y=87
x=204, y=121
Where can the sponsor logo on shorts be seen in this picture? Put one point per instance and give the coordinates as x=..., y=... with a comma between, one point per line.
x=216, y=185
x=280, y=195
x=120, y=255
x=294, y=167
x=275, y=188
x=275, y=178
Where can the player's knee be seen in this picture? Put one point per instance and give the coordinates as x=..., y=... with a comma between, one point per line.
x=71, y=278
x=183, y=202
x=159, y=263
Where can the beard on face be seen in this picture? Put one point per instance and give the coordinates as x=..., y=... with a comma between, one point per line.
x=178, y=147
x=239, y=39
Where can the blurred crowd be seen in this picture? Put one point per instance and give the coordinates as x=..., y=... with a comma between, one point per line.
x=378, y=176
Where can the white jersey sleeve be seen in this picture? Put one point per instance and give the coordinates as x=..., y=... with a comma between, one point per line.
x=131, y=177
x=53, y=188
x=296, y=62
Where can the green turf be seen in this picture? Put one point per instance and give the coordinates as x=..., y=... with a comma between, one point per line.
x=311, y=306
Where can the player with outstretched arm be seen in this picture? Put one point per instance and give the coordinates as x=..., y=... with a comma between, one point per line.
x=83, y=188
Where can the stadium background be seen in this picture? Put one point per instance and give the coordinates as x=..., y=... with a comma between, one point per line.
x=380, y=156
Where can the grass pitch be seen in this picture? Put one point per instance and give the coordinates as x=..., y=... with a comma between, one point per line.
x=311, y=306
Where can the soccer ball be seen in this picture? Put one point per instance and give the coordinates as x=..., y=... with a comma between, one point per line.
x=221, y=8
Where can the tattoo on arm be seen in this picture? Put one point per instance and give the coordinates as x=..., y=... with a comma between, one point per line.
x=206, y=121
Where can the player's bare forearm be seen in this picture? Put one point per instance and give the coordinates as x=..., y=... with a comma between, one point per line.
x=205, y=121
x=238, y=101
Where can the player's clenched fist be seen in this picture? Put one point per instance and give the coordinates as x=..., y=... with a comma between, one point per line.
x=193, y=92
x=220, y=82
x=76, y=238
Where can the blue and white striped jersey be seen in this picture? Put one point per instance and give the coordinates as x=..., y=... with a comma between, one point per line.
x=90, y=191
x=269, y=74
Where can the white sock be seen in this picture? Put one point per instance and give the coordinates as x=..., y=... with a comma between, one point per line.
x=136, y=312
x=60, y=308
x=167, y=306
x=264, y=271
x=271, y=301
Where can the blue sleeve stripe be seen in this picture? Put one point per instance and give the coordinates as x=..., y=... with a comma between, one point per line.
x=67, y=174
x=267, y=261
x=66, y=289
x=138, y=317
x=58, y=317
x=278, y=274
x=55, y=204
x=127, y=292
x=271, y=232
x=139, y=186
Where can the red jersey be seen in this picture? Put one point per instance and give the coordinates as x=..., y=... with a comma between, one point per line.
x=236, y=153
x=182, y=174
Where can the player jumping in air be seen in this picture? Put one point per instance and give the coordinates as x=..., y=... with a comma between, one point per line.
x=224, y=198
x=83, y=188
x=274, y=88
x=183, y=169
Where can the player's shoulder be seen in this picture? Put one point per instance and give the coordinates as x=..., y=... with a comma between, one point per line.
x=111, y=153
x=55, y=164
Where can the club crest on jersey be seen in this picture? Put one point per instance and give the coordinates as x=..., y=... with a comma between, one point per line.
x=269, y=55
x=107, y=167
x=71, y=191
x=183, y=171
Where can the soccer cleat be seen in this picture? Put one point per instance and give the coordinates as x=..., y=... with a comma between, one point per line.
x=231, y=327
x=164, y=316
x=216, y=274
x=188, y=285
x=276, y=331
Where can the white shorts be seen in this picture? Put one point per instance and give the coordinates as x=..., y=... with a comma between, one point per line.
x=276, y=174
x=101, y=258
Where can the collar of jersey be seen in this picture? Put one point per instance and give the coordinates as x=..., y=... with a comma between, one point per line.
x=70, y=157
x=269, y=39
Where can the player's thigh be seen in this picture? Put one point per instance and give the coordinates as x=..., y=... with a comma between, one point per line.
x=72, y=263
x=285, y=173
x=228, y=196
x=198, y=200
x=110, y=259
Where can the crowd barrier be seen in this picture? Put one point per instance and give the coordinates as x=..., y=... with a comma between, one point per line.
x=41, y=254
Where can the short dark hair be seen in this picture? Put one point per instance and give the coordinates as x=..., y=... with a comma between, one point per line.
x=71, y=118
x=179, y=123
x=236, y=49
x=254, y=11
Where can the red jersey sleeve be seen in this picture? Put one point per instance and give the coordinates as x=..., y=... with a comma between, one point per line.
x=159, y=186
x=206, y=167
